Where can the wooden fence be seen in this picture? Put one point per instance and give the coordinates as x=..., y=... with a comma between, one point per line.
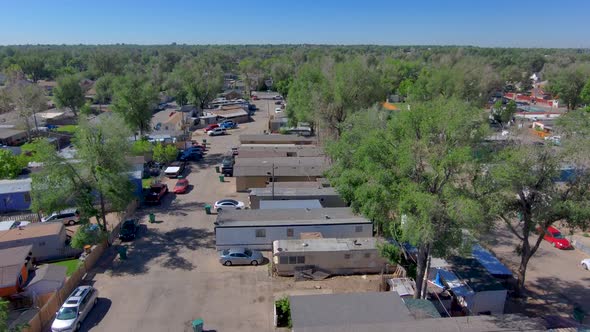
x=46, y=313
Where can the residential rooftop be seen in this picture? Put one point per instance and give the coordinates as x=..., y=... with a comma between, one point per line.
x=474, y=274
x=275, y=138
x=291, y=204
x=11, y=262
x=283, y=166
x=32, y=230
x=15, y=186
x=294, y=192
x=326, y=244
x=8, y=132
x=279, y=217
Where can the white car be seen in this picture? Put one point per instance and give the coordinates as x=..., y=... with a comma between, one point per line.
x=228, y=204
x=70, y=316
x=216, y=131
x=585, y=263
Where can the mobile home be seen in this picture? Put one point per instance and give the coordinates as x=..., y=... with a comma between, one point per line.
x=328, y=197
x=257, y=229
x=334, y=256
x=48, y=240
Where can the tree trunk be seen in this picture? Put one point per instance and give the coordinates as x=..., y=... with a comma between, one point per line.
x=103, y=214
x=421, y=272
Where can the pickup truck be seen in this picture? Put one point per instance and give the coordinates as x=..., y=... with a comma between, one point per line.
x=157, y=191
x=227, y=166
x=193, y=153
x=175, y=169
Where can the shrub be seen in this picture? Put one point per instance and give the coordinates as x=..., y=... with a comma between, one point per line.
x=87, y=234
x=140, y=147
x=283, y=312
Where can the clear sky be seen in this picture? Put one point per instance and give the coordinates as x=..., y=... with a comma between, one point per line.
x=516, y=23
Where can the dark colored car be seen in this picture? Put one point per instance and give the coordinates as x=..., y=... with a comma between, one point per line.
x=191, y=154
x=157, y=191
x=129, y=230
x=227, y=166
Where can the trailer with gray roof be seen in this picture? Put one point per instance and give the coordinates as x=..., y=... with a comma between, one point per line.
x=257, y=229
x=328, y=197
x=333, y=256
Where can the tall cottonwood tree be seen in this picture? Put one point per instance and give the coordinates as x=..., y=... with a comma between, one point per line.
x=68, y=93
x=97, y=174
x=406, y=172
x=134, y=99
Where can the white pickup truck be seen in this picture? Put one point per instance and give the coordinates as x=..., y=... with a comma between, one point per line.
x=175, y=169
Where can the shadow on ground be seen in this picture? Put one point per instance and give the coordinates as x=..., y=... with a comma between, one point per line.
x=155, y=247
x=97, y=314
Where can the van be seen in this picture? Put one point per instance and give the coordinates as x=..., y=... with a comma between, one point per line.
x=67, y=217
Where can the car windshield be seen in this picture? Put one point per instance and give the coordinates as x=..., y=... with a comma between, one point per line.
x=128, y=226
x=557, y=235
x=225, y=252
x=67, y=313
x=248, y=252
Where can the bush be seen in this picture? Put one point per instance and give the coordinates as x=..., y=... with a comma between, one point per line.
x=165, y=153
x=10, y=165
x=88, y=234
x=283, y=312
x=140, y=147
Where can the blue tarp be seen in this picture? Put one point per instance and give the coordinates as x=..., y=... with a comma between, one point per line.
x=451, y=280
x=490, y=262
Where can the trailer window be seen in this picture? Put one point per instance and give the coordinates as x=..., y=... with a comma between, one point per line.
x=358, y=229
x=283, y=260
x=346, y=256
x=290, y=232
x=367, y=255
x=261, y=233
x=300, y=259
x=292, y=259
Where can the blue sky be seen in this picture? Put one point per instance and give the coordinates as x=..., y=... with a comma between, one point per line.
x=516, y=23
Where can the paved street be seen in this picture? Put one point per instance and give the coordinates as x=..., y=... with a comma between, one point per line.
x=172, y=275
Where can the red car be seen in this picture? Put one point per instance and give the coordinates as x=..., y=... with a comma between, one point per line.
x=157, y=191
x=211, y=127
x=181, y=186
x=553, y=235
x=255, y=97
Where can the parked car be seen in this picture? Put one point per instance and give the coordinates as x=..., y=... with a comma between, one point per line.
x=278, y=110
x=586, y=263
x=234, y=151
x=175, y=169
x=240, y=256
x=211, y=127
x=255, y=97
x=68, y=217
x=216, y=132
x=278, y=97
x=553, y=235
x=227, y=166
x=181, y=186
x=73, y=312
x=191, y=154
x=229, y=124
x=228, y=204
x=157, y=191
x=278, y=102
x=129, y=229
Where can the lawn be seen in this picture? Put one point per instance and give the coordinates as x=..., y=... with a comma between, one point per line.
x=71, y=264
x=67, y=129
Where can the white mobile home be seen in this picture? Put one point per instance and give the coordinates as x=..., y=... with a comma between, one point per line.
x=47, y=238
x=334, y=256
x=327, y=196
x=257, y=229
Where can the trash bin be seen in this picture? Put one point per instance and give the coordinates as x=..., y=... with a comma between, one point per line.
x=221, y=178
x=204, y=141
x=198, y=325
x=152, y=218
x=217, y=169
x=122, y=252
x=208, y=209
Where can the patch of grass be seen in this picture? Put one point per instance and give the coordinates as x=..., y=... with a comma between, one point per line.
x=146, y=183
x=71, y=265
x=67, y=129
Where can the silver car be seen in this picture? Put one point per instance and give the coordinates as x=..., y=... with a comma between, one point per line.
x=70, y=316
x=240, y=256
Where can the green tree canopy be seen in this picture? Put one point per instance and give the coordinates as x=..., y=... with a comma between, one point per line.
x=165, y=153
x=405, y=172
x=69, y=93
x=10, y=165
x=134, y=99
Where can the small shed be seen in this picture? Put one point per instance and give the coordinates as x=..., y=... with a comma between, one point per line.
x=12, y=137
x=293, y=204
x=14, y=269
x=46, y=279
x=15, y=195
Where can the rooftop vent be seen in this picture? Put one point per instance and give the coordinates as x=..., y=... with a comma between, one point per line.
x=327, y=216
x=357, y=243
x=305, y=244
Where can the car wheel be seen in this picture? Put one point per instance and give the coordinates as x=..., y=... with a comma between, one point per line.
x=218, y=210
x=71, y=223
x=227, y=263
x=238, y=208
x=585, y=266
x=78, y=327
x=95, y=301
x=254, y=263
x=554, y=244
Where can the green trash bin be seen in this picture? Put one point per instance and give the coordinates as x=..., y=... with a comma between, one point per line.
x=217, y=169
x=152, y=218
x=204, y=142
x=122, y=252
x=221, y=178
x=208, y=209
x=198, y=325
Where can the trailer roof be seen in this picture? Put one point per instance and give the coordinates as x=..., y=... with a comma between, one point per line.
x=283, y=191
x=328, y=245
x=285, y=217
